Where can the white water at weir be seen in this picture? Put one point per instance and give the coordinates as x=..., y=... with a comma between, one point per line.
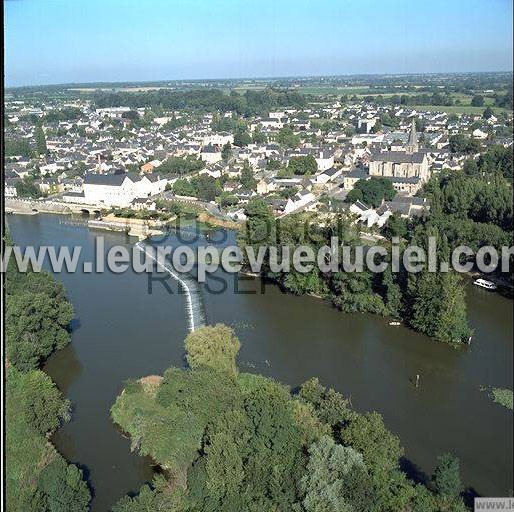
x=194, y=303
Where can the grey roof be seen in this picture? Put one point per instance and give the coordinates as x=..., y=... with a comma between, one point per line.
x=399, y=179
x=398, y=157
x=361, y=205
x=357, y=173
x=113, y=179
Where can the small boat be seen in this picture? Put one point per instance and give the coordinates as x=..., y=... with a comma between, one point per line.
x=483, y=283
x=395, y=323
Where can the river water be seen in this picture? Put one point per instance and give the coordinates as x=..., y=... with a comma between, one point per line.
x=128, y=327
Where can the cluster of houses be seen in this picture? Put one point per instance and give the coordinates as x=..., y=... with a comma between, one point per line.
x=103, y=158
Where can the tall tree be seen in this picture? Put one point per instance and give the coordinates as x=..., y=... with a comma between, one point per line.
x=40, y=140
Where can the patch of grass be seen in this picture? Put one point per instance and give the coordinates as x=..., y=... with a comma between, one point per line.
x=503, y=396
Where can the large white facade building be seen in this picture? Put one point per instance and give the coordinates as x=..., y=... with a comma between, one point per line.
x=120, y=189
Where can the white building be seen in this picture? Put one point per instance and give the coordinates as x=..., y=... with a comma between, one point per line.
x=120, y=189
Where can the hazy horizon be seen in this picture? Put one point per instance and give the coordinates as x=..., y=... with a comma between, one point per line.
x=58, y=42
x=254, y=78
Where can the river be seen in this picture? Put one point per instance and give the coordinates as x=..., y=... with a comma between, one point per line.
x=123, y=329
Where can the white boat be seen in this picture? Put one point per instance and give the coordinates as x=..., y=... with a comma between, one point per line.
x=395, y=323
x=483, y=283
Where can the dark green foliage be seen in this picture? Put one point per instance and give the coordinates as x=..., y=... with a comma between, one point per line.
x=462, y=144
x=203, y=187
x=258, y=137
x=64, y=114
x=372, y=192
x=205, y=100
x=40, y=140
x=37, y=319
x=301, y=165
x=27, y=188
x=247, y=178
x=477, y=101
x=287, y=138
x=63, y=488
x=446, y=477
x=17, y=147
x=180, y=165
x=226, y=152
x=242, y=137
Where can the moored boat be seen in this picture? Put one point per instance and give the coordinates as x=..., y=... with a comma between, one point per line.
x=483, y=283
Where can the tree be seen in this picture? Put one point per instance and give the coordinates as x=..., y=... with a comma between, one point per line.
x=247, y=178
x=63, y=487
x=17, y=147
x=40, y=140
x=446, y=476
x=488, y=113
x=372, y=192
x=287, y=138
x=301, y=165
x=241, y=137
x=396, y=226
x=258, y=137
x=27, y=188
x=215, y=347
x=226, y=151
x=477, y=101
x=368, y=435
x=452, y=324
x=132, y=115
x=336, y=479
x=37, y=319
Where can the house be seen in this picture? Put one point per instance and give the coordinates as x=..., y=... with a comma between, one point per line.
x=150, y=166
x=351, y=178
x=299, y=200
x=120, y=189
x=10, y=187
x=265, y=186
x=325, y=160
x=218, y=139
x=479, y=134
x=408, y=207
x=369, y=216
x=211, y=154
x=326, y=176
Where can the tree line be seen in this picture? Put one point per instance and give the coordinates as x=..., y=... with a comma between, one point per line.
x=206, y=100
x=38, y=478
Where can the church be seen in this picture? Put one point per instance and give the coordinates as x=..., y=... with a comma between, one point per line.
x=407, y=169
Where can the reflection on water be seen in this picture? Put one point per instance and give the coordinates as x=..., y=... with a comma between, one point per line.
x=125, y=332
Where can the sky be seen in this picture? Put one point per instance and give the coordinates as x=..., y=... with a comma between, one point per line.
x=64, y=41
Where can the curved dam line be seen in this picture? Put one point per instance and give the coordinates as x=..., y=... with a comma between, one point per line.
x=189, y=298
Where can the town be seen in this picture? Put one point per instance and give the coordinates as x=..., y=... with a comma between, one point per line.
x=299, y=145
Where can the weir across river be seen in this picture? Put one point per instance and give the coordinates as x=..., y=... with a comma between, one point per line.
x=194, y=302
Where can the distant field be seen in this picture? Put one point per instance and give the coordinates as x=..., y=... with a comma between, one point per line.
x=333, y=90
x=243, y=89
x=458, y=109
x=116, y=89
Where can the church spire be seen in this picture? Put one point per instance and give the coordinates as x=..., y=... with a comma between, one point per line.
x=412, y=145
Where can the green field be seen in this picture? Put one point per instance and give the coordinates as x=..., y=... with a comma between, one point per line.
x=321, y=90
x=455, y=109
